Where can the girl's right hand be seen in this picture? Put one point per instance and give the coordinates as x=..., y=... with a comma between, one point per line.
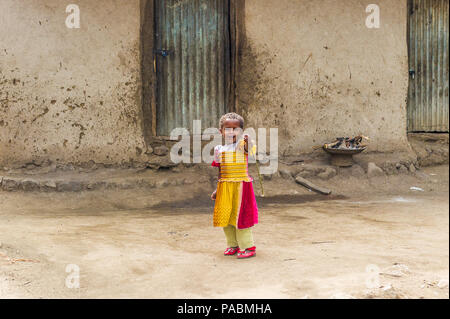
x=213, y=195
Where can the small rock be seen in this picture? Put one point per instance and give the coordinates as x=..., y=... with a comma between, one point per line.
x=306, y=171
x=149, y=150
x=305, y=174
x=373, y=170
x=389, y=168
x=402, y=169
x=356, y=171
x=387, y=287
x=125, y=185
x=157, y=162
x=30, y=166
x=284, y=173
x=97, y=185
x=150, y=184
x=397, y=270
x=162, y=183
x=412, y=168
x=68, y=167
x=30, y=185
x=328, y=173
x=443, y=283
x=69, y=186
x=10, y=184
x=90, y=165
x=161, y=150
x=176, y=169
x=138, y=165
x=179, y=182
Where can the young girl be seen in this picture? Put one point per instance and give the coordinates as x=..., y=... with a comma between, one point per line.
x=235, y=209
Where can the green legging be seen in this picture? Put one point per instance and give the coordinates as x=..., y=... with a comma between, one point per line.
x=241, y=238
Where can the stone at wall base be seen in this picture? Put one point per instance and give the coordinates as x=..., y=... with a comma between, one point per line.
x=373, y=170
x=157, y=162
x=342, y=160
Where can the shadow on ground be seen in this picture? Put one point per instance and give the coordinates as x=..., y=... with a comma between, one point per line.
x=202, y=203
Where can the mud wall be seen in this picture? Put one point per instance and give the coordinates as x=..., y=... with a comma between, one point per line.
x=70, y=95
x=311, y=68
x=314, y=70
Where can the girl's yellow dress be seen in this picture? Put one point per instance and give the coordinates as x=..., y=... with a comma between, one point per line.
x=235, y=199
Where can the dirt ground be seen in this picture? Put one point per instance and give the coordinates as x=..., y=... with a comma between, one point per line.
x=373, y=238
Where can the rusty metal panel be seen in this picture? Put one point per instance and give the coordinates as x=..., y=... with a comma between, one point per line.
x=192, y=62
x=428, y=65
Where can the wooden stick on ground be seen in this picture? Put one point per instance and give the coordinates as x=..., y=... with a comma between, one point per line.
x=321, y=190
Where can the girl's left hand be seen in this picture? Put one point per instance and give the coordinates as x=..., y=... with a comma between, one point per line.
x=246, y=142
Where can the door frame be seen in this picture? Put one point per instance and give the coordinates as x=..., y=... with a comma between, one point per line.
x=148, y=68
x=412, y=73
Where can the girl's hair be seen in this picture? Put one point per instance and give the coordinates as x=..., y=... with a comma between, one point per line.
x=231, y=116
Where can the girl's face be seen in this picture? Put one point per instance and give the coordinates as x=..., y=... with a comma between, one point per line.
x=231, y=130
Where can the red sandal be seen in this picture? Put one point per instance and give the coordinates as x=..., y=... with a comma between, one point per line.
x=249, y=252
x=231, y=251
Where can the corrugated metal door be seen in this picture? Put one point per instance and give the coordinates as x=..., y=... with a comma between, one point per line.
x=428, y=64
x=192, y=62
